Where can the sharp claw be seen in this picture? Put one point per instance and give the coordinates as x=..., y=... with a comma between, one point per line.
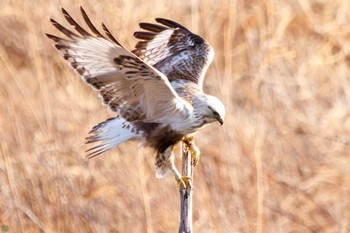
x=195, y=153
x=195, y=156
x=181, y=183
x=184, y=182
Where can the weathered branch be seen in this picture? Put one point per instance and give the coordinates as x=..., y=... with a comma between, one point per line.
x=186, y=194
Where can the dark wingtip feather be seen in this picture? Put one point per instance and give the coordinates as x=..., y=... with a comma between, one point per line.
x=72, y=22
x=63, y=10
x=52, y=21
x=52, y=37
x=152, y=27
x=62, y=29
x=145, y=35
x=170, y=23
x=81, y=9
x=109, y=34
x=89, y=23
x=60, y=46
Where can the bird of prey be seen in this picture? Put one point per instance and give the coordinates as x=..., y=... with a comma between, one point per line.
x=156, y=89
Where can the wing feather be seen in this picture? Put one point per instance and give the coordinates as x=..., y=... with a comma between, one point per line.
x=152, y=27
x=174, y=50
x=74, y=24
x=171, y=24
x=64, y=30
x=109, y=34
x=124, y=82
x=89, y=24
x=145, y=35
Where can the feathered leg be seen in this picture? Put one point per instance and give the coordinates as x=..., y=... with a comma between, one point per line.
x=193, y=149
x=165, y=162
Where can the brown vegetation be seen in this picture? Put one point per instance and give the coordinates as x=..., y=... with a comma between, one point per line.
x=280, y=163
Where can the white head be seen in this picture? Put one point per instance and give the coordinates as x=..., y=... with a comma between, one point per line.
x=213, y=109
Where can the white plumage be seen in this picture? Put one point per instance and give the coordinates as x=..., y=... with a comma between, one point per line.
x=110, y=134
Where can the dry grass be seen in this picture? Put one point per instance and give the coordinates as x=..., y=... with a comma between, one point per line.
x=281, y=162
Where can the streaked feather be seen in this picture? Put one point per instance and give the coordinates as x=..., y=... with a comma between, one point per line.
x=174, y=50
x=109, y=134
x=116, y=73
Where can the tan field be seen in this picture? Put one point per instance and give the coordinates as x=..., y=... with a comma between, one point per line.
x=280, y=163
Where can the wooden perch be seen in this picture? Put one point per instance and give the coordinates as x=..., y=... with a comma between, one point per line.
x=186, y=194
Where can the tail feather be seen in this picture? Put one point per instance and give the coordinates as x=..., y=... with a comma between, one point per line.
x=109, y=134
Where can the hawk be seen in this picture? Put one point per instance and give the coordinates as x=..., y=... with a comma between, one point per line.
x=156, y=89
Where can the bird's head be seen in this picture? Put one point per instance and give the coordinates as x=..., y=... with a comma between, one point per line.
x=214, y=110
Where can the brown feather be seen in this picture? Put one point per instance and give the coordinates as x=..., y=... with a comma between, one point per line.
x=171, y=23
x=74, y=24
x=61, y=46
x=90, y=25
x=109, y=34
x=54, y=38
x=64, y=30
x=152, y=27
x=141, y=44
x=145, y=35
x=179, y=55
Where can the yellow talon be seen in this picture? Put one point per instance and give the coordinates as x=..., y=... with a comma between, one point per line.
x=184, y=182
x=195, y=153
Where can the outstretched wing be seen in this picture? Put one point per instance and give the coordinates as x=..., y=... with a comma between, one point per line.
x=174, y=50
x=126, y=84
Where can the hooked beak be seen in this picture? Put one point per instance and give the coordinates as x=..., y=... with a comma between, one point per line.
x=220, y=120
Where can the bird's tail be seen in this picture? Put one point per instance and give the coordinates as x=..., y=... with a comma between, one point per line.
x=109, y=134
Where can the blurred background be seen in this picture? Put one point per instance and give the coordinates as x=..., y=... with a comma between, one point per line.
x=280, y=163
